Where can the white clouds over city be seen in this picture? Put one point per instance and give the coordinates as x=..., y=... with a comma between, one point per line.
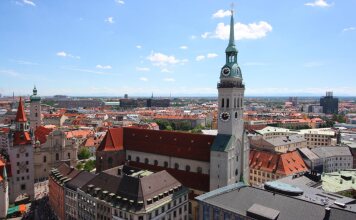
x=349, y=29
x=121, y=2
x=242, y=31
x=103, y=67
x=222, y=13
x=209, y=56
x=319, y=3
x=143, y=79
x=65, y=54
x=183, y=47
x=110, y=20
x=160, y=59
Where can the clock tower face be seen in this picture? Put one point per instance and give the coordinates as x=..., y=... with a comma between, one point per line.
x=224, y=116
x=225, y=71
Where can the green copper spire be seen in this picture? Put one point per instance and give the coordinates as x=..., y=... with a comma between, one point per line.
x=34, y=96
x=231, y=47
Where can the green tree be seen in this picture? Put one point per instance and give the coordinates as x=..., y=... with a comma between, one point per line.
x=89, y=165
x=84, y=153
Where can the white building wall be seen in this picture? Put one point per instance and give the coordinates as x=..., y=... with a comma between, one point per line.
x=194, y=164
x=4, y=198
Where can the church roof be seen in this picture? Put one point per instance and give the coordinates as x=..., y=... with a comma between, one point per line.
x=112, y=141
x=41, y=134
x=20, y=115
x=169, y=143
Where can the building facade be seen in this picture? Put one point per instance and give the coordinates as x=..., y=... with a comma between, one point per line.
x=128, y=193
x=21, y=158
x=330, y=104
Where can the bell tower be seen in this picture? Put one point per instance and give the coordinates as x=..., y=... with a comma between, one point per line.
x=230, y=150
x=35, y=110
x=231, y=91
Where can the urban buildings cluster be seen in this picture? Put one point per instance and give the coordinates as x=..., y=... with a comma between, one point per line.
x=164, y=158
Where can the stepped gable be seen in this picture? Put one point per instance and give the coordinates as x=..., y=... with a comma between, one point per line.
x=169, y=143
x=41, y=134
x=113, y=140
x=20, y=115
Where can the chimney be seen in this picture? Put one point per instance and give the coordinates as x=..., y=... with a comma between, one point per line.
x=327, y=212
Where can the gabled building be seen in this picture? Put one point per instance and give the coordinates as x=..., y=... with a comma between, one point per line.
x=266, y=166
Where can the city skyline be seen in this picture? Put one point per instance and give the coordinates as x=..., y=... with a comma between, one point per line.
x=87, y=48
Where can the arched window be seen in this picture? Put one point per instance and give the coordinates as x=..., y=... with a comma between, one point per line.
x=156, y=162
x=146, y=161
x=234, y=102
x=236, y=172
x=129, y=157
x=187, y=168
x=222, y=103
x=137, y=159
x=241, y=102
x=68, y=155
x=44, y=159
x=36, y=114
x=110, y=161
x=199, y=170
x=176, y=166
x=165, y=164
x=227, y=103
x=235, y=114
x=57, y=156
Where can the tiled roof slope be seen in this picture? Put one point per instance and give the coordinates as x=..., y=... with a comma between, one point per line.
x=112, y=141
x=284, y=164
x=169, y=143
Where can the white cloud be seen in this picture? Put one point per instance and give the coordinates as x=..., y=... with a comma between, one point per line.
x=183, y=47
x=349, y=29
x=165, y=70
x=121, y=2
x=28, y=2
x=211, y=55
x=160, y=59
x=242, y=31
x=143, y=69
x=64, y=54
x=169, y=79
x=206, y=35
x=200, y=58
x=143, y=79
x=110, y=20
x=138, y=46
x=221, y=13
x=193, y=37
x=318, y=3
x=103, y=67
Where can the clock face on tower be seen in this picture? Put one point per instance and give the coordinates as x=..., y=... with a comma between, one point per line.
x=224, y=116
x=225, y=71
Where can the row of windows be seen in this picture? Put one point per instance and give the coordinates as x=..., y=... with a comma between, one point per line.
x=165, y=164
x=237, y=102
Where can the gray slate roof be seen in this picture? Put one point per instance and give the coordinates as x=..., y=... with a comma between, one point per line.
x=280, y=141
x=222, y=142
x=79, y=180
x=324, y=152
x=289, y=208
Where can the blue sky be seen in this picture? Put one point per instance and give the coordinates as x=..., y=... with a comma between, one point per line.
x=112, y=47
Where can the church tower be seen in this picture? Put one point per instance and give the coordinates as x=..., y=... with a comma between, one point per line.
x=35, y=110
x=229, y=154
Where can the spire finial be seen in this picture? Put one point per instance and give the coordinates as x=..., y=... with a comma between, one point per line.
x=232, y=34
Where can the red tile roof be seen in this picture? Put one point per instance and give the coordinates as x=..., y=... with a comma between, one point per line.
x=21, y=138
x=41, y=134
x=169, y=143
x=20, y=115
x=284, y=164
x=189, y=179
x=112, y=141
